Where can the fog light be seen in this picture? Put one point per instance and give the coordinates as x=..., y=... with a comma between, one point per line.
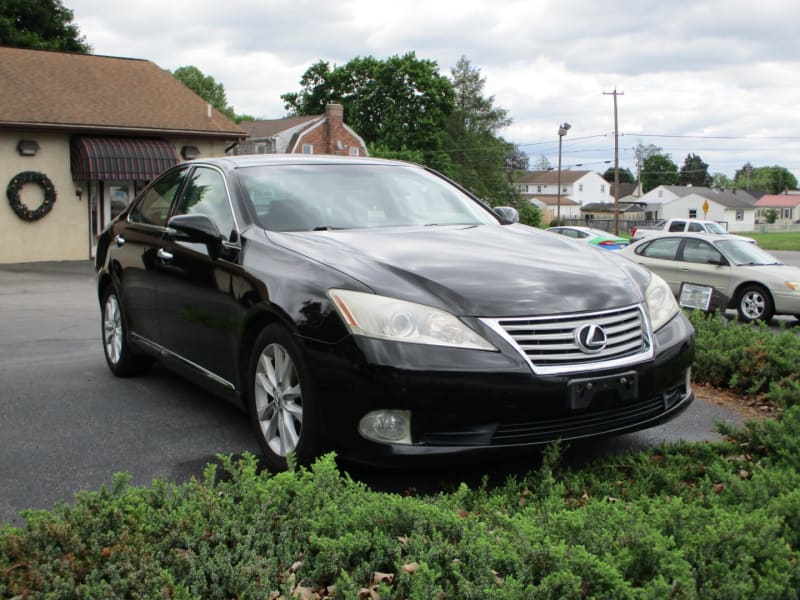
x=386, y=426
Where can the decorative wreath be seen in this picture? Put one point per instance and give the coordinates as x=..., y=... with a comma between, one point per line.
x=15, y=185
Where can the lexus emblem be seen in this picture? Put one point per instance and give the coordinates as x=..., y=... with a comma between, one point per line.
x=591, y=339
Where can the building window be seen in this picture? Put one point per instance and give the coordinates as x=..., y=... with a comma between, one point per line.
x=353, y=151
x=787, y=213
x=308, y=148
x=523, y=187
x=261, y=148
x=603, y=188
x=538, y=188
x=692, y=213
x=660, y=193
x=580, y=187
x=564, y=189
x=740, y=215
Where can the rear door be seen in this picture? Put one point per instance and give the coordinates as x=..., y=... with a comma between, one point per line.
x=660, y=256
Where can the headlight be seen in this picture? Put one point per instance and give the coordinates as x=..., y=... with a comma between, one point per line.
x=661, y=303
x=391, y=319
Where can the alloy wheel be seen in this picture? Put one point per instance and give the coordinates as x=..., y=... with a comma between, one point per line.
x=112, y=329
x=753, y=304
x=278, y=399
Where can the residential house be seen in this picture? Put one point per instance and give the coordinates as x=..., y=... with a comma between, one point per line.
x=317, y=134
x=603, y=211
x=80, y=135
x=552, y=205
x=580, y=186
x=734, y=209
x=786, y=205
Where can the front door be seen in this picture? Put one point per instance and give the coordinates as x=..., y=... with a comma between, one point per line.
x=106, y=201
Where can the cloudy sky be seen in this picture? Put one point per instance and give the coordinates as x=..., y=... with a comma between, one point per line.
x=719, y=78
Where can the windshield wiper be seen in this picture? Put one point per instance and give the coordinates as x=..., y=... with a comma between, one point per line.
x=326, y=228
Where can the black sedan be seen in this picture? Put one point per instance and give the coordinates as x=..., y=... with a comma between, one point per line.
x=376, y=308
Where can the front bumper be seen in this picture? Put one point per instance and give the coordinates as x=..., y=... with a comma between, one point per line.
x=466, y=402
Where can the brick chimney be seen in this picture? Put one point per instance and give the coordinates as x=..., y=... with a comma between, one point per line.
x=334, y=128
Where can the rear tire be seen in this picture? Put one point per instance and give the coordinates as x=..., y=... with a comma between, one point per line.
x=281, y=399
x=121, y=359
x=754, y=303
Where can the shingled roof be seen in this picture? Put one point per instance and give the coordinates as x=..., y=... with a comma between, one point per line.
x=101, y=94
x=549, y=177
x=728, y=198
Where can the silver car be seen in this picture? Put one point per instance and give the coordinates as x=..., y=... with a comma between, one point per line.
x=758, y=284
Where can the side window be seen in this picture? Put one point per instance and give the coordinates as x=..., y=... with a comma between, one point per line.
x=205, y=194
x=696, y=227
x=677, y=226
x=153, y=206
x=664, y=248
x=699, y=251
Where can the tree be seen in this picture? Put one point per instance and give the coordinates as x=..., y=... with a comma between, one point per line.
x=517, y=160
x=625, y=175
x=658, y=169
x=694, y=172
x=206, y=87
x=40, y=24
x=772, y=180
x=401, y=102
x=542, y=164
x=720, y=181
x=771, y=215
x=479, y=156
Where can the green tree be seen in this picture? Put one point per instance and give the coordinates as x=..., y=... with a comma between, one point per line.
x=40, y=24
x=694, y=172
x=720, y=181
x=479, y=156
x=625, y=175
x=399, y=103
x=658, y=169
x=206, y=87
x=771, y=215
x=772, y=180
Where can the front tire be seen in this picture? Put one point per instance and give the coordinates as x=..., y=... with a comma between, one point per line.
x=754, y=303
x=121, y=359
x=281, y=399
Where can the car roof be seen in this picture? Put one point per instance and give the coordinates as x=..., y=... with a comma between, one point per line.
x=255, y=160
x=712, y=237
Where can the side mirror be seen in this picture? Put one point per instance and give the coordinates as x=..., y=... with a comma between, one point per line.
x=507, y=214
x=197, y=228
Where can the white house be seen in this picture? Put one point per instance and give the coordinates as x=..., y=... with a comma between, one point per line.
x=734, y=209
x=581, y=186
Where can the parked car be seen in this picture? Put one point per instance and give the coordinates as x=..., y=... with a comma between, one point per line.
x=596, y=237
x=376, y=308
x=757, y=284
x=683, y=225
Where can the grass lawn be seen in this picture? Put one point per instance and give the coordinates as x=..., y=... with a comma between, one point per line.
x=789, y=240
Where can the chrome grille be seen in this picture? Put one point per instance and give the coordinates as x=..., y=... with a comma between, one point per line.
x=550, y=344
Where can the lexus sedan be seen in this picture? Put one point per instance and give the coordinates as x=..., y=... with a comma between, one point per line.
x=595, y=237
x=376, y=308
x=756, y=283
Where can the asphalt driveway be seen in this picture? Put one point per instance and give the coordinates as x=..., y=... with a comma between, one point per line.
x=67, y=424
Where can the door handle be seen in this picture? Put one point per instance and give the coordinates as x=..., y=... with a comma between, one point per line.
x=163, y=254
x=119, y=240
x=685, y=270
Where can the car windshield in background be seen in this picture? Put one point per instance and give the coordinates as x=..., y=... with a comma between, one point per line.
x=745, y=253
x=320, y=197
x=715, y=228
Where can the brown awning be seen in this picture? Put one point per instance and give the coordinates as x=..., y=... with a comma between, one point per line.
x=120, y=159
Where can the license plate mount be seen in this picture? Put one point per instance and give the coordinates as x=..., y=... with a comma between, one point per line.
x=619, y=388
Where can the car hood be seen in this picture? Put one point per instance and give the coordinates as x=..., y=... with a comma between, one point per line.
x=486, y=270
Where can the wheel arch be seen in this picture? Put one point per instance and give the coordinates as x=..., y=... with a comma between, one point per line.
x=745, y=284
x=253, y=326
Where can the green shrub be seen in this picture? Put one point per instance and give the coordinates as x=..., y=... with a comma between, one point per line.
x=749, y=358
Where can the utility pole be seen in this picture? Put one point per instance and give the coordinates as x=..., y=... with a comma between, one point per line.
x=615, y=93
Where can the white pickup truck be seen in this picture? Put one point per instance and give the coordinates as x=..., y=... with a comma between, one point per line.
x=673, y=225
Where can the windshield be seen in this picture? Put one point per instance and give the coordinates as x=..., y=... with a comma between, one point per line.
x=744, y=253
x=305, y=197
x=715, y=228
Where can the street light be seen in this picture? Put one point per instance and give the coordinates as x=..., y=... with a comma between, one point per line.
x=562, y=131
